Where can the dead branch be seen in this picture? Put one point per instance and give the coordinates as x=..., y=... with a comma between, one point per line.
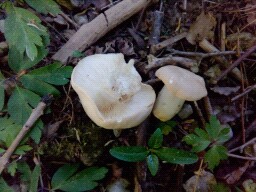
x=236, y=63
x=37, y=112
x=246, y=91
x=97, y=28
x=167, y=42
x=170, y=60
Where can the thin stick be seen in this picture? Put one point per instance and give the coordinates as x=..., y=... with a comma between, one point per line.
x=200, y=54
x=242, y=157
x=236, y=63
x=240, y=148
x=37, y=112
x=246, y=91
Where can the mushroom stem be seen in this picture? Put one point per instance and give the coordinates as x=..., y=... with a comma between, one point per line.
x=117, y=132
x=167, y=105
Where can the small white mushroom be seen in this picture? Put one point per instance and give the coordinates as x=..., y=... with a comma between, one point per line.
x=179, y=85
x=111, y=91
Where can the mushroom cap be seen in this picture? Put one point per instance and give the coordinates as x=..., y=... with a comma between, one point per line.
x=111, y=91
x=182, y=83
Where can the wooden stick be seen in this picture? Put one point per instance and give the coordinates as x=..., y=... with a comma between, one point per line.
x=89, y=33
x=37, y=112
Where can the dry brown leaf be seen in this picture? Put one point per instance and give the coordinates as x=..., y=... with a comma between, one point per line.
x=225, y=90
x=202, y=28
x=203, y=183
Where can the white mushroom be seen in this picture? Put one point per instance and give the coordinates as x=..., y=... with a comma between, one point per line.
x=111, y=91
x=179, y=85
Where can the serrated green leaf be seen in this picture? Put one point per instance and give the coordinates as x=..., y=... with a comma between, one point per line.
x=25, y=171
x=8, y=130
x=4, y=186
x=213, y=127
x=33, y=185
x=18, y=61
x=62, y=175
x=21, y=103
x=82, y=181
x=12, y=167
x=214, y=155
x=177, y=156
x=28, y=31
x=167, y=127
x=2, y=96
x=36, y=132
x=44, y=6
x=55, y=74
x=224, y=135
x=21, y=150
x=202, y=134
x=153, y=164
x=129, y=153
x=156, y=139
x=198, y=144
x=38, y=86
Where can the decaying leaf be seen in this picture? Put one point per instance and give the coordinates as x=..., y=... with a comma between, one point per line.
x=245, y=39
x=249, y=185
x=225, y=90
x=202, y=28
x=202, y=183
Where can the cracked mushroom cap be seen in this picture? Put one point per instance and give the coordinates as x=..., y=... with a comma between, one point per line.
x=111, y=91
x=182, y=83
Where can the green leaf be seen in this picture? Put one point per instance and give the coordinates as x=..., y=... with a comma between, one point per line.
x=61, y=176
x=156, y=139
x=213, y=127
x=224, y=135
x=8, y=130
x=214, y=155
x=2, y=96
x=28, y=32
x=167, y=127
x=38, y=86
x=21, y=103
x=177, y=156
x=34, y=179
x=38, y=80
x=55, y=73
x=18, y=61
x=198, y=143
x=4, y=187
x=12, y=167
x=153, y=164
x=65, y=178
x=21, y=150
x=25, y=171
x=78, y=54
x=44, y=6
x=129, y=153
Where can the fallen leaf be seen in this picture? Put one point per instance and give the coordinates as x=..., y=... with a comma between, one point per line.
x=202, y=28
x=225, y=90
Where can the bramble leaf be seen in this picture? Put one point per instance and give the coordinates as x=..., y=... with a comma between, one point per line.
x=177, y=156
x=156, y=139
x=2, y=96
x=214, y=155
x=44, y=6
x=129, y=153
x=27, y=36
x=4, y=186
x=33, y=185
x=153, y=164
x=65, y=178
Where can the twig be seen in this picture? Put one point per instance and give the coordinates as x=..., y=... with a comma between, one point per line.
x=37, y=112
x=240, y=148
x=236, y=63
x=170, y=60
x=246, y=91
x=242, y=157
x=208, y=107
x=158, y=17
x=69, y=20
x=167, y=42
x=90, y=32
x=200, y=54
